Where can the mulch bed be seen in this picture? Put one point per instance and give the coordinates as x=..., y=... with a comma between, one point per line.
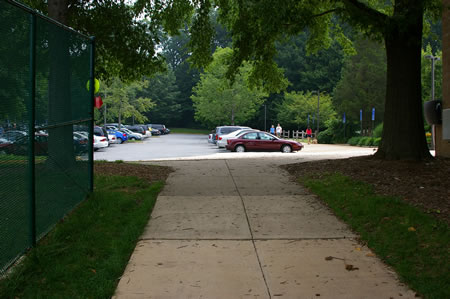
x=150, y=173
x=425, y=185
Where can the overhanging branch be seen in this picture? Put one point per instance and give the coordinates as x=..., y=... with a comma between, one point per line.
x=317, y=15
x=357, y=9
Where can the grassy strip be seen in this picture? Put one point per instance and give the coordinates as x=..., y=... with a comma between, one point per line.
x=84, y=256
x=189, y=131
x=20, y=159
x=415, y=244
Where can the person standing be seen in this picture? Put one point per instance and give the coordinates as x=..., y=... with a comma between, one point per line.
x=309, y=134
x=279, y=130
x=272, y=130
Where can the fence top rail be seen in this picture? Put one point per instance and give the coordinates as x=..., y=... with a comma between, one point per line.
x=48, y=19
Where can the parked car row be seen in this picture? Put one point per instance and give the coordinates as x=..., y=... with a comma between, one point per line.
x=241, y=139
x=16, y=142
x=115, y=133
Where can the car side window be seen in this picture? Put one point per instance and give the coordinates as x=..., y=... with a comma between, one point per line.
x=265, y=136
x=250, y=136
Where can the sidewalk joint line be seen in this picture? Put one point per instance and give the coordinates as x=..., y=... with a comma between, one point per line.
x=250, y=229
x=247, y=239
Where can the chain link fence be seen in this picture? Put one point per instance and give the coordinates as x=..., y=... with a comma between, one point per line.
x=46, y=94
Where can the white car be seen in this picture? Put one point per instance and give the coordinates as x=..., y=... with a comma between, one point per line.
x=100, y=142
x=222, y=140
x=112, y=139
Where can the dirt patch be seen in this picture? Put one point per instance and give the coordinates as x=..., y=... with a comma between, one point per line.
x=425, y=185
x=150, y=173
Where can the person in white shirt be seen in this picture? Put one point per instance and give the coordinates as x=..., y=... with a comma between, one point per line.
x=279, y=130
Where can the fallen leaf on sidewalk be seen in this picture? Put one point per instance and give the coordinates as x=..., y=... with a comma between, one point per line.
x=370, y=254
x=329, y=258
x=350, y=268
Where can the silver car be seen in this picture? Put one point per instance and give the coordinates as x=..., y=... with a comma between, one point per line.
x=222, y=140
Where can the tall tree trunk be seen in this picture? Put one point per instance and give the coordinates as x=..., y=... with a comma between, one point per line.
x=403, y=130
x=232, y=115
x=60, y=143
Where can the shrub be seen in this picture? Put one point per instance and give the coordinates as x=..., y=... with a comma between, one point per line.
x=363, y=141
x=354, y=140
x=335, y=132
x=325, y=136
x=368, y=141
x=376, y=141
x=378, y=131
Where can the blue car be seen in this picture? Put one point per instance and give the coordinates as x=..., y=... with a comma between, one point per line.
x=121, y=137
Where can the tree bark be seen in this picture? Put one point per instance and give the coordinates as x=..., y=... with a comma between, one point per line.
x=232, y=115
x=403, y=130
x=60, y=142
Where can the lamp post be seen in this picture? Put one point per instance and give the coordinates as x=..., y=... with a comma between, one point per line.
x=433, y=60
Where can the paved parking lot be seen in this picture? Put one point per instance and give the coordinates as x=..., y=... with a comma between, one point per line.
x=194, y=147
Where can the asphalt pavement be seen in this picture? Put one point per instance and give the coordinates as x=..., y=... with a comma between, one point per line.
x=196, y=147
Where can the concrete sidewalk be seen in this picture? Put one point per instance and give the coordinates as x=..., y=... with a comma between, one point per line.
x=241, y=229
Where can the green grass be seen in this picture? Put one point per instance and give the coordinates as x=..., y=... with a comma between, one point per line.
x=189, y=131
x=86, y=253
x=20, y=159
x=414, y=243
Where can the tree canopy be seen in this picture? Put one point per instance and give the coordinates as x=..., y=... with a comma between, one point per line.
x=122, y=101
x=298, y=110
x=125, y=43
x=164, y=92
x=307, y=71
x=218, y=101
x=256, y=26
x=363, y=83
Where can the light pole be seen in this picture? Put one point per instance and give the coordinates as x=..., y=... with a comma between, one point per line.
x=433, y=60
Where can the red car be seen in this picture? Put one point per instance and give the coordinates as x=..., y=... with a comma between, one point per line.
x=261, y=141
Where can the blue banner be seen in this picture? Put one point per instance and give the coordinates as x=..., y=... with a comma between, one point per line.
x=343, y=118
x=373, y=114
x=360, y=115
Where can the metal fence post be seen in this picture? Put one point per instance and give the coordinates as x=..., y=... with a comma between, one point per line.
x=31, y=120
x=91, y=122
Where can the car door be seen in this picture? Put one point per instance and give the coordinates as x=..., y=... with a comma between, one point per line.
x=250, y=141
x=267, y=142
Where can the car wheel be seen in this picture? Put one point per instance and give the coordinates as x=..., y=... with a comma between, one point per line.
x=132, y=138
x=120, y=140
x=286, y=149
x=239, y=149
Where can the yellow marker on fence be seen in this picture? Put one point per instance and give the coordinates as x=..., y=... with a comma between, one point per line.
x=96, y=83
